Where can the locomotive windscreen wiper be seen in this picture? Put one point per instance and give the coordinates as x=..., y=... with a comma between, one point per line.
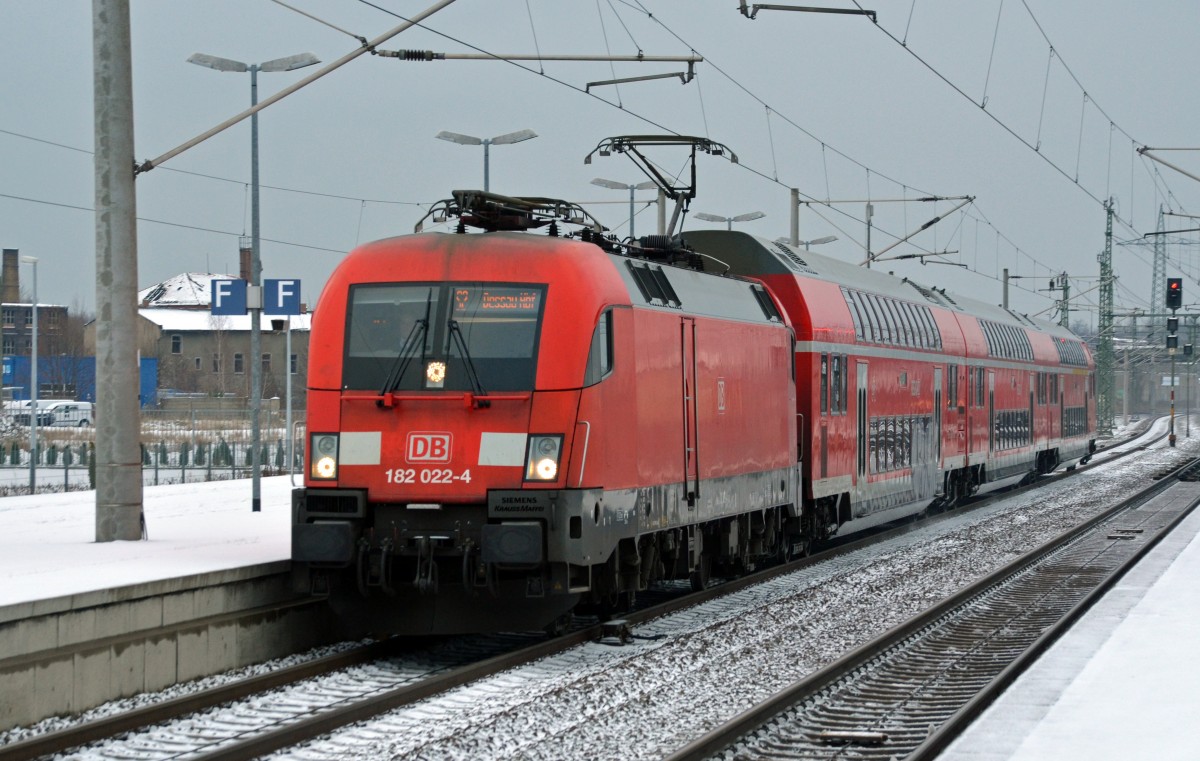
x=416, y=337
x=457, y=336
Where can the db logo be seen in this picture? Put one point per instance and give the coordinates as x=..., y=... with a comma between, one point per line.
x=428, y=447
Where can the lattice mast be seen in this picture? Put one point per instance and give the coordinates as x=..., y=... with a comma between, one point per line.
x=1105, y=362
x=1158, y=284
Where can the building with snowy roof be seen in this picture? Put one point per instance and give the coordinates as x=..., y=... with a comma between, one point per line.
x=204, y=354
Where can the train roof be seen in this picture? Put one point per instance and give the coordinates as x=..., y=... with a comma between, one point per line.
x=750, y=254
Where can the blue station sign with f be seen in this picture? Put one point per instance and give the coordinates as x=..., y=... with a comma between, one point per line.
x=228, y=297
x=281, y=296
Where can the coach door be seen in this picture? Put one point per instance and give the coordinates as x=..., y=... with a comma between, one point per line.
x=863, y=421
x=691, y=470
x=1033, y=426
x=991, y=408
x=937, y=412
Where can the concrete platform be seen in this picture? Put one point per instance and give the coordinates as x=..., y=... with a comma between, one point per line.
x=82, y=623
x=1121, y=684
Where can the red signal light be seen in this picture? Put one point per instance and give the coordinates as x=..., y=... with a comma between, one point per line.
x=1174, y=292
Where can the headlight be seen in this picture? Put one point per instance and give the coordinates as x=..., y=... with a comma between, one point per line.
x=542, y=456
x=324, y=456
x=435, y=374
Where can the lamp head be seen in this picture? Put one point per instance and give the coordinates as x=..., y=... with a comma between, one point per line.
x=456, y=137
x=613, y=184
x=290, y=63
x=514, y=137
x=218, y=63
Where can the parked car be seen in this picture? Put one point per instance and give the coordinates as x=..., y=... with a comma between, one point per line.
x=56, y=412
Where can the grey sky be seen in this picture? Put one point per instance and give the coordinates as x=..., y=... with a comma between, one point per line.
x=366, y=132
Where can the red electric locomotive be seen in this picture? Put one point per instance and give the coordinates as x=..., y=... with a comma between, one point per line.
x=911, y=397
x=502, y=425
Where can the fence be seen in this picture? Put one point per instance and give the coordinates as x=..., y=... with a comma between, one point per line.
x=208, y=445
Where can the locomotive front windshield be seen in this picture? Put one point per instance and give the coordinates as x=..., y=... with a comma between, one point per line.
x=476, y=337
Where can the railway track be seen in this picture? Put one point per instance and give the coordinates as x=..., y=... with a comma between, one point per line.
x=910, y=692
x=288, y=717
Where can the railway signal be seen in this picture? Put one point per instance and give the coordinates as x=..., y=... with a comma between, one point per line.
x=1174, y=292
x=1174, y=301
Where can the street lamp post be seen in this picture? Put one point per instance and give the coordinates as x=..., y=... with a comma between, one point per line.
x=730, y=220
x=505, y=139
x=613, y=184
x=289, y=63
x=33, y=380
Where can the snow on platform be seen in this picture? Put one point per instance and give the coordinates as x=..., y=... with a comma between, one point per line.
x=1121, y=684
x=48, y=548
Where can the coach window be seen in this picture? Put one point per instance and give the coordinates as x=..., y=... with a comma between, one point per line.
x=874, y=318
x=902, y=332
x=910, y=333
x=843, y=378
x=824, y=383
x=845, y=396
x=845, y=383
x=881, y=333
x=835, y=379
x=885, y=322
x=935, y=338
x=889, y=321
x=600, y=355
x=852, y=305
x=893, y=314
x=889, y=314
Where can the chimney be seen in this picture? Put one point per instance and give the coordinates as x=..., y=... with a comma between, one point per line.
x=10, y=277
x=244, y=252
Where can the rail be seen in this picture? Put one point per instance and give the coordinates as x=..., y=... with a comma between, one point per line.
x=900, y=729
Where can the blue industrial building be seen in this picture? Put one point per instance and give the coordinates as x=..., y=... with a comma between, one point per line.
x=61, y=377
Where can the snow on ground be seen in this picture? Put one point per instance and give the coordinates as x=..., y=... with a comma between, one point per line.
x=1121, y=684
x=48, y=544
